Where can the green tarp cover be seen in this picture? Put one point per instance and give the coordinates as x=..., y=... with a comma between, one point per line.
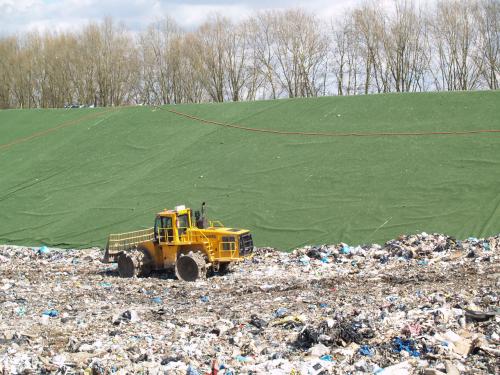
x=69, y=177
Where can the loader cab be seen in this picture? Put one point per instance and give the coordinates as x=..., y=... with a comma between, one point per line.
x=164, y=231
x=172, y=225
x=183, y=223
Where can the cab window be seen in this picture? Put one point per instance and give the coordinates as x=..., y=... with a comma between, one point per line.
x=182, y=223
x=163, y=226
x=157, y=226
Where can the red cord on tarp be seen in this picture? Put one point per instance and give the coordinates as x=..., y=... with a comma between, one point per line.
x=322, y=134
x=50, y=130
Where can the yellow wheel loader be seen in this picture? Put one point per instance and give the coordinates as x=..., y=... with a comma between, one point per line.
x=191, y=245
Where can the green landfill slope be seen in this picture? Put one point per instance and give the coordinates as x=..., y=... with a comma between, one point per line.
x=71, y=176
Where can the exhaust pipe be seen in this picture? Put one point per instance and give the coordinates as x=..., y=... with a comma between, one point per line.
x=201, y=222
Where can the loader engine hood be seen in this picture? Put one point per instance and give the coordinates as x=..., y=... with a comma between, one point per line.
x=245, y=239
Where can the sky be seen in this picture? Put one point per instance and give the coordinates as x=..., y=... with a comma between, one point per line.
x=19, y=16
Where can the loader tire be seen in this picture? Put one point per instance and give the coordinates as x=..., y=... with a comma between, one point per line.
x=225, y=268
x=191, y=267
x=134, y=263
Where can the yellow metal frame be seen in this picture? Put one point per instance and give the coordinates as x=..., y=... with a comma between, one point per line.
x=228, y=253
x=216, y=224
x=128, y=240
x=166, y=236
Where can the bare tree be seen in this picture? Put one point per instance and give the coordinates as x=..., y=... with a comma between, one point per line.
x=8, y=47
x=192, y=69
x=488, y=27
x=346, y=56
x=25, y=71
x=293, y=51
x=454, y=45
x=368, y=21
x=263, y=42
x=156, y=46
x=455, y=37
x=212, y=48
x=404, y=41
x=236, y=55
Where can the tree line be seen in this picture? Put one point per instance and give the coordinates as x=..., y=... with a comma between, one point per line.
x=453, y=45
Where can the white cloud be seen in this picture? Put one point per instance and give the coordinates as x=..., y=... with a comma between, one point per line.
x=190, y=15
x=56, y=15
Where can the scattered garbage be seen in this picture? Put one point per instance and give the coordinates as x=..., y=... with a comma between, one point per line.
x=241, y=358
x=281, y=312
x=419, y=303
x=326, y=357
x=345, y=249
x=257, y=322
x=51, y=313
x=366, y=350
x=409, y=346
x=106, y=285
x=43, y=250
x=477, y=316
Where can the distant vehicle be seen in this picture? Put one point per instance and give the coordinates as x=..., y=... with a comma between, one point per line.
x=74, y=105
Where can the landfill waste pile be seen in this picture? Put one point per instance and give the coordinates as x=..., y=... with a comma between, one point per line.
x=419, y=304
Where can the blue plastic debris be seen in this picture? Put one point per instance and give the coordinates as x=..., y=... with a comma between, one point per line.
x=113, y=267
x=323, y=305
x=157, y=300
x=227, y=370
x=51, y=313
x=21, y=311
x=43, y=250
x=106, y=285
x=327, y=357
x=392, y=298
x=241, y=358
x=345, y=249
x=204, y=299
x=325, y=260
x=192, y=371
x=366, y=350
x=400, y=344
x=423, y=262
x=486, y=246
x=304, y=260
x=281, y=312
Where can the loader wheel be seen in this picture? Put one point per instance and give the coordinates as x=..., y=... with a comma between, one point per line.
x=134, y=263
x=224, y=268
x=191, y=267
